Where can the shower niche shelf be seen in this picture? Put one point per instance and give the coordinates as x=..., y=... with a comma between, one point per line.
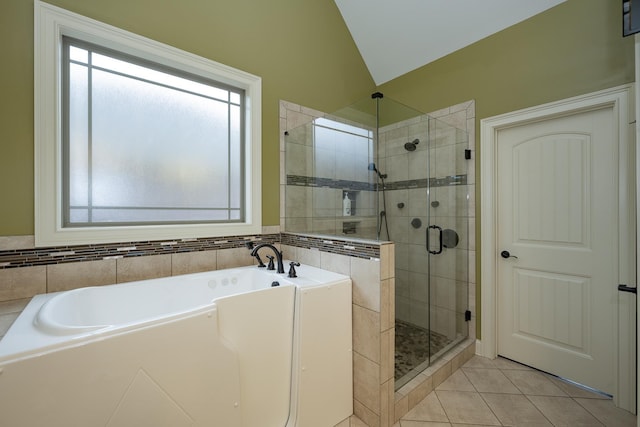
x=350, y=227
x=353, y=198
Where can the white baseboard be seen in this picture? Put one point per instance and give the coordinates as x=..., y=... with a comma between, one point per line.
x=478, y=348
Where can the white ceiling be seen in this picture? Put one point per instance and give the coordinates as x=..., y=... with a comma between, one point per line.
x=398, y=36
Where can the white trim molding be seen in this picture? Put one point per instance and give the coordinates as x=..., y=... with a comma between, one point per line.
x=622, y=100
x=51, y=23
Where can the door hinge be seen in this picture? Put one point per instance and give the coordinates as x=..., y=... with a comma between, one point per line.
x=467, y=316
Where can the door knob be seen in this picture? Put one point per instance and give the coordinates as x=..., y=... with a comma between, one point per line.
x=506, y=254
x=625, y=288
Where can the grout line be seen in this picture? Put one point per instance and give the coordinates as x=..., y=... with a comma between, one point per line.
x=587, y=409
x=538, y=409
x=442, y=406
x=489, y=406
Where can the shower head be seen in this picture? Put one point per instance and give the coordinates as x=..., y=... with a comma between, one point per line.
x=411, y=146
x=372, y=167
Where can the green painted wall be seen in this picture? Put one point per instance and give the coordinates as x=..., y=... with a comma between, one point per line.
x=572, y=49
x=301, y=49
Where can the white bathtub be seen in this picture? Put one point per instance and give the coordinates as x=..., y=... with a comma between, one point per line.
x=221, y=348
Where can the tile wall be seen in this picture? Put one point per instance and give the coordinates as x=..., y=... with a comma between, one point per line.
x=311, y=207
x=317, y=175
x=26, y=271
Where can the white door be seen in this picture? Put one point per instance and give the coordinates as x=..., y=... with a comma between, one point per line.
x=557, y=225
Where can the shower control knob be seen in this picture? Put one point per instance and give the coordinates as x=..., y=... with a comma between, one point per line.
x=506, y=254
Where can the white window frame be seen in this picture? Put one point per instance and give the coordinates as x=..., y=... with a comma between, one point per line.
x=51, y=23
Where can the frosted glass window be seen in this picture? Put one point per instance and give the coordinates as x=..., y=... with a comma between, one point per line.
x=341, y=151
x=148, y=145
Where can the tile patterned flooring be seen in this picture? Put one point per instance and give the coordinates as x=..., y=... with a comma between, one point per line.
x=500, y=392
x=413, y=345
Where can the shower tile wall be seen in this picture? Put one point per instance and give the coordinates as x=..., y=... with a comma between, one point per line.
x=317, y=174
x=316, y=209
x=453, y=187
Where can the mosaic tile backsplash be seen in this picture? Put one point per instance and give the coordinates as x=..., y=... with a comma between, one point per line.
x=16, y=258
x=312, y=181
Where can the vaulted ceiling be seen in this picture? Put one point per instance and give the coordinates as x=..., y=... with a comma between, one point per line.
x=398, y=36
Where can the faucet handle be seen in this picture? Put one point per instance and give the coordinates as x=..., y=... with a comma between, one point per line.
x=292, y=270
x=249, y=245
x=271, y=265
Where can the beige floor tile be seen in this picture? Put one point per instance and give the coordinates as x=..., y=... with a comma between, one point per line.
x=480, y=362
x=357, y=422
x=429, y=409
x=422, y=424
x=490, y=381
x=502, y=363
x=574, y=390
x=607, y=413
x=533, y=382
x=514, y=410
x=458, y=381
x=466, y=408
x=564, y=411
x=470, y=425
x=344, y=423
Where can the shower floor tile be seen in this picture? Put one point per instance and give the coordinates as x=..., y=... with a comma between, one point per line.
x=413, y=345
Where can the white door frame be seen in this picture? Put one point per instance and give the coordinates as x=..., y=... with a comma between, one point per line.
x=621, y=99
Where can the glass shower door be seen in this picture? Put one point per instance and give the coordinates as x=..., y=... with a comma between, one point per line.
x=448, y=237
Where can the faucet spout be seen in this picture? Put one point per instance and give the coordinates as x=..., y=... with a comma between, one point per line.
x=254, y=252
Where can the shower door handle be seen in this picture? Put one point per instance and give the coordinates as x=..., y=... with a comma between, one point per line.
x=435, y=227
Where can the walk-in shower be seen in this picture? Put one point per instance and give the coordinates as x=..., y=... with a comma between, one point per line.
x=404, y=175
